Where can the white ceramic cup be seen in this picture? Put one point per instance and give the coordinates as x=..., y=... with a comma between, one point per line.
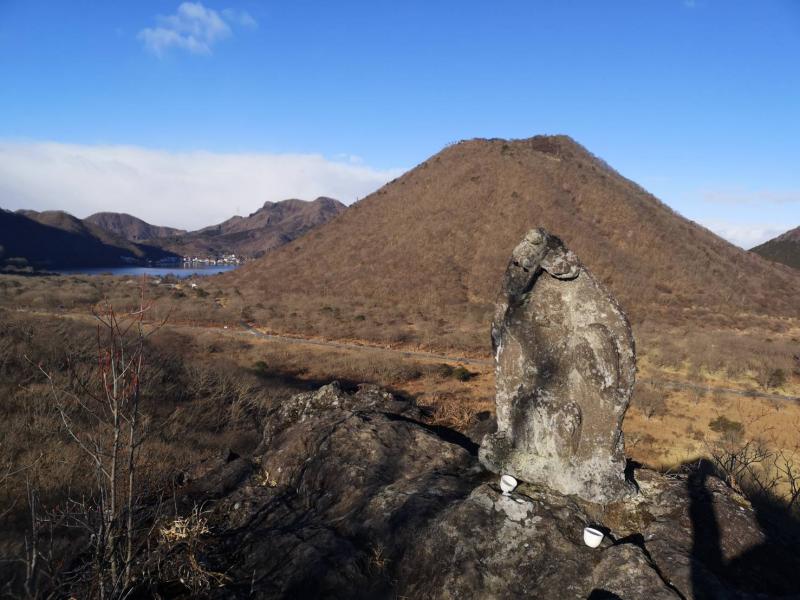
x=592, y=537
x=507, y=484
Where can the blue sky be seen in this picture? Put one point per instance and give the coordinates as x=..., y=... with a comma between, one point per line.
x=240, y=102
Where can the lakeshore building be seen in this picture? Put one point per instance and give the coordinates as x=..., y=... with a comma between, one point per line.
x=227, y=259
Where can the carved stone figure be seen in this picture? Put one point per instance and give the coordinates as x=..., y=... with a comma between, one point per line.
x=564, y=369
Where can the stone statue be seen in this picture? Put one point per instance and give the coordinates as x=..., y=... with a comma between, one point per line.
x=564, y=368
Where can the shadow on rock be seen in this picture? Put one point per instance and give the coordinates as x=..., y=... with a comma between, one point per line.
x=728, y=560
x=602, y=595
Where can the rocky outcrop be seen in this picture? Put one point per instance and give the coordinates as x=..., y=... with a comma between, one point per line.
x=564, y=372
x=352, y=496
x=344, y=485
x=528, y=545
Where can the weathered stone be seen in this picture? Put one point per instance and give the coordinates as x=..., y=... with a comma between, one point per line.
x=624, y=571
x=304, y=406
x=564, y=370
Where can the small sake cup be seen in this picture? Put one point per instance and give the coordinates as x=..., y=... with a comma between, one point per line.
x=592, y=537
x=508, y=484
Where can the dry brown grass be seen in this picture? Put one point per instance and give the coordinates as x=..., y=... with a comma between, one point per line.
x=175, y=299
x=721, y=355
x=452, y=392
x=676, y=432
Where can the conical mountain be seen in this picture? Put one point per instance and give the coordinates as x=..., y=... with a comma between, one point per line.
x=420, y=260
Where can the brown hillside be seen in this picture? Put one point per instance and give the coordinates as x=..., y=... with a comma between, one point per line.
x=273, y=225
x=56, y=239
x=783, y=249
x=64, y=221
x=129, y=227
x=420, y=259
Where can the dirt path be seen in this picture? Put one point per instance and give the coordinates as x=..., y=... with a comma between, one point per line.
x=684, y=385
x=367, y=348
x=485, y=362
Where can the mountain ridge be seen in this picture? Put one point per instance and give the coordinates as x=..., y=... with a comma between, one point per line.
x=130, y=227
x=57, y=239
x=108, y=239
x=269, y=227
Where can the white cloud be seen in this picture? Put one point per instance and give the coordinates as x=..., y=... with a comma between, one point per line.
x=185, y=189
x=745, y=235
x=754, y=197
x=193, y=28
x=240, y=17
x=353, y=159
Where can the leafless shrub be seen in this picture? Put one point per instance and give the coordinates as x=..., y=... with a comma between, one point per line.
x=736, y=462
x=650, y=399
x=768, y=376
x=231, y=397
x=730, y=431
x=100, y=412
x=755, y=467
x=787, y=465
x=450, y=411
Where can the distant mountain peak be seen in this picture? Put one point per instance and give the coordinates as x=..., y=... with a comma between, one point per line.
x=131, y=228
x=106, y=236
x=269, y=227
x=297, y=202
x=558, y=144
x=56, y=239
x=783, y=249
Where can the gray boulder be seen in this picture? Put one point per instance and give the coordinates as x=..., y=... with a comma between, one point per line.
x=564, y=370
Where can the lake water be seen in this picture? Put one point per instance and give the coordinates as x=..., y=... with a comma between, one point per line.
x=174, y=270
